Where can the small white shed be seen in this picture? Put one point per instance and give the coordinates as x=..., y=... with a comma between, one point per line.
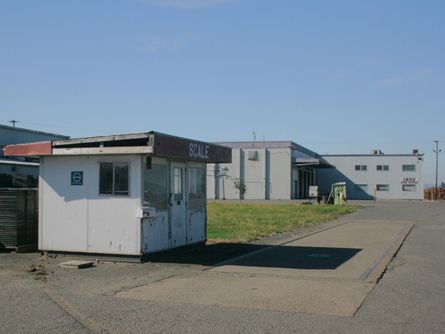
x=129, y=195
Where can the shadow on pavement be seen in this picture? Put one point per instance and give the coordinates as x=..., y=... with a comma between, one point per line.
x=290, y=257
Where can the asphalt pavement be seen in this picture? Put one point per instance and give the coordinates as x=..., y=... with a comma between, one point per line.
x=407, y=296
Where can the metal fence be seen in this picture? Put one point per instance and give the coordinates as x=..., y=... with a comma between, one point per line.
x=18, y=219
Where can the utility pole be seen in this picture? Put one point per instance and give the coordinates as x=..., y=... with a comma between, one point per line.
x=437, y=151
x=13, y=122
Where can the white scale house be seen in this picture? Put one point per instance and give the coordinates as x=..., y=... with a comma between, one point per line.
x=126, y=195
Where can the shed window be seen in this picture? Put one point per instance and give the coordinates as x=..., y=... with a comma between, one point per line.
x=155, y=186
x=177, y=183
x=197, y=187
x=113, y=178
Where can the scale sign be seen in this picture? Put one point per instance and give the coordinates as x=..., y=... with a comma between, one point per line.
x=77, y=178
x=313, y=191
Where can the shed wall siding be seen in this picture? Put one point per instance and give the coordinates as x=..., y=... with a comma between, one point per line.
x=77, y=218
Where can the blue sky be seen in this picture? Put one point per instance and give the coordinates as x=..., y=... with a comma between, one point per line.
x=335, y=76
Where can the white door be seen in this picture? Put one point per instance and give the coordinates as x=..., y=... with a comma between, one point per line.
x=178, y=213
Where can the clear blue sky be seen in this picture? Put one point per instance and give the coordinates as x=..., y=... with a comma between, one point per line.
x=335, y=76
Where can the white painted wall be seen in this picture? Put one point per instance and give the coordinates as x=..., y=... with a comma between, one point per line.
x=77, y=218
x=226, y=187
x=280, y=173
x=345, y=172
x=268, y=177
x=255, y=174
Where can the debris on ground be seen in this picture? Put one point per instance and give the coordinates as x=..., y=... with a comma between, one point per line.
x=38, y=268
x=77, y=264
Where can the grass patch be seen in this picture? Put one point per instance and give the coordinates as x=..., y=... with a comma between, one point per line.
x=246, y=222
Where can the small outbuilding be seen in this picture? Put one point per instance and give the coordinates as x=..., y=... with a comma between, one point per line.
x=131, y=194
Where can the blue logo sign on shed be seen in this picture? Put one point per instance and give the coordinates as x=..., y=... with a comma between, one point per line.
x=77, y=178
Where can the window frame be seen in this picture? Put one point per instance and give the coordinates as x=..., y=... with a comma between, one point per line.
x=361, y=168
x=197, y=202
x=384, y=185
x=408, y=170
x=178, y=187
x=114, y=163
x=165, y=171
x=413, y=186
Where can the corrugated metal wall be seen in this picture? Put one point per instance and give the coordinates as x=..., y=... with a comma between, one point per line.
x=18, y=218
x=10, y=135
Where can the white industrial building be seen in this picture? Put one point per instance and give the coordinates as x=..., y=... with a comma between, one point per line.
x=284, y=170
x=376, y=175
x=280, y=170
x=126, y=195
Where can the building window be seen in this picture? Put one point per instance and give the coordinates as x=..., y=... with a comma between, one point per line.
x=177, y=182
x=197, y=187
x=113, y=178
x=155, y=186
x=361, y=167
x=13, y=176
x=383, y=168
x=409, y=187
x=408, y=168
x=382, y=187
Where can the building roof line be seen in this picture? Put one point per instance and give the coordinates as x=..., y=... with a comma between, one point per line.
x=374, y=155
x=15, y=128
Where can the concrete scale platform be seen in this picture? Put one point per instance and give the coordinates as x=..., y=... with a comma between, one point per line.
x=329, y=272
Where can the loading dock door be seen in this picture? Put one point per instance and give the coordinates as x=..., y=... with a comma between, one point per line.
x=178, y=212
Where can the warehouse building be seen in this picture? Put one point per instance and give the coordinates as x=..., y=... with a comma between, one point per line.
x=280, y=170
x=129, y=195
x=20, y=172
x=18, y=190
x=376, y=175
x=15, y=135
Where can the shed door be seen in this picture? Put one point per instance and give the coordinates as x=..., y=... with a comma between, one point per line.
x=178, y=211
